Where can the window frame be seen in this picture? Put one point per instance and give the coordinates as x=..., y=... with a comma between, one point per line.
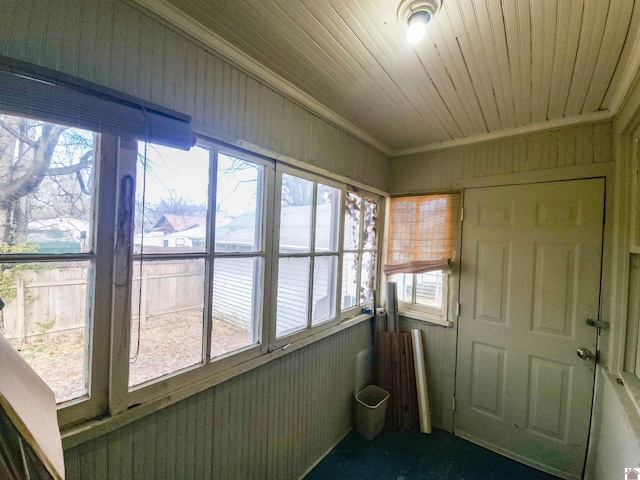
x=99, y=293
x=108, y=329
x=426, y=313
x=630, y=361
x=413, y=310
x=276, y=342
x=165, y=385
x=341, y=316
x=360, y=251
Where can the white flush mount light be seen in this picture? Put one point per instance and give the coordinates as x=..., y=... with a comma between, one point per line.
x=416, y=14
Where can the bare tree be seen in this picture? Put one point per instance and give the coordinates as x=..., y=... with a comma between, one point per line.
x=179, y=204
x=28, y=161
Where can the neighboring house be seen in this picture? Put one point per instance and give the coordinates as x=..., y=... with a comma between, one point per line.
x=171, y=223
x=189, y=238
x=631, y=474
x=174, y=231
x=238, y=235
x=59, y=235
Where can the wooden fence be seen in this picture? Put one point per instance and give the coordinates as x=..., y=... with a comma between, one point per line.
x=53, y=299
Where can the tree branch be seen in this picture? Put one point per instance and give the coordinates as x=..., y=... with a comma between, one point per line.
x=31, y=178
x=17, y=134
x=82, y=164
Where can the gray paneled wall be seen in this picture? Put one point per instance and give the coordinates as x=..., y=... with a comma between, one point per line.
x=273, y=422
x=115, y=44
x=565, y=147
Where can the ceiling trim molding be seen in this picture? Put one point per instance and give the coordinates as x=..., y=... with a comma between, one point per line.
x=576, y=120
x=628, y=78
x=230, y=52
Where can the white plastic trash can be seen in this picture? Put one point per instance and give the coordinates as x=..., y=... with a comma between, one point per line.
x=371, y=408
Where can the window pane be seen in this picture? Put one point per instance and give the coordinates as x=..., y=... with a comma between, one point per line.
x=236, y=304
x=327, y=219
x=429, y=289
x=171, y=202
x=369, y=231
x=238, y=205
x=349, y=280
x=293, y=295
x=367, y=277
x=49, y=205
x=166, y=328
x=296, y=200
x=325, y=279
x=45, y=318
x=352, y=214
x=405, y=286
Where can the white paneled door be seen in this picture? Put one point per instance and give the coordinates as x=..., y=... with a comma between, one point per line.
x=530, y=277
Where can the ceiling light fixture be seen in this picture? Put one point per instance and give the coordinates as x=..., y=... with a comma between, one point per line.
x=416, y=14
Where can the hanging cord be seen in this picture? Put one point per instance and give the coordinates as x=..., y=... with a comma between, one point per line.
x=147, y=122
x=134, y=359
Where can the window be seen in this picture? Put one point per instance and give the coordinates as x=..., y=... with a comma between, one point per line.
x=308, y=253
x=422, y=235
x=632, y=358
x=239, y=254
x=218, y=256
x=326, y=252
x=49, y=267
x=360, y=248
x=198, y=264
x=168, y=279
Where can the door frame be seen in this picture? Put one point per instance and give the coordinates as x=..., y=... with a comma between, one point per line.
x=597, y=170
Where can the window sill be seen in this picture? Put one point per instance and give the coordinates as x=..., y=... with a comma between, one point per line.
x=425, y=317
x=83, y=432
x=632, y=388
x=629, y=397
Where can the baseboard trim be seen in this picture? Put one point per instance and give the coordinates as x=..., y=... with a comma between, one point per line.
x=327, y=452
x=514, y=456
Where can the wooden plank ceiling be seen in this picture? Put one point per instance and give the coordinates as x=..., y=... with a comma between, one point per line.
x=485, y=65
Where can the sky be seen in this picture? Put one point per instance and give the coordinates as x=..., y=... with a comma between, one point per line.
x=187, y=174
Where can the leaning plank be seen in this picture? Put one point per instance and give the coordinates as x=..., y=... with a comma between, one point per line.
x=31, y=406
x=397, y=379
x=413, y=417
x=421, y=382
x=383, y=371
x=395, y=373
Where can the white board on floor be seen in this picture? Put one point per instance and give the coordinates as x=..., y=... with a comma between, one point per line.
x=31, y=406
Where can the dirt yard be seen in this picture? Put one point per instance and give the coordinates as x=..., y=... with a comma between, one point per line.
x=168, y=343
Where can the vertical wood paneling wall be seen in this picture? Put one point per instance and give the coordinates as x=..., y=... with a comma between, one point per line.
x=436, y=170
x=273, y=422
x=112, y=43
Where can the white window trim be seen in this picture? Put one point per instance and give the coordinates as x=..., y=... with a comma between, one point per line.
x=110, y=397
x=276, y=342
x=436, y=316
x=99, y=319
x=630, y=309
x=412, y=310
x=73, y=435
x=166, y=385
x=359, y=307
x=122, y=397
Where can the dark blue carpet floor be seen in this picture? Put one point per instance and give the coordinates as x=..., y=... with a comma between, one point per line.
x=417, y=456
